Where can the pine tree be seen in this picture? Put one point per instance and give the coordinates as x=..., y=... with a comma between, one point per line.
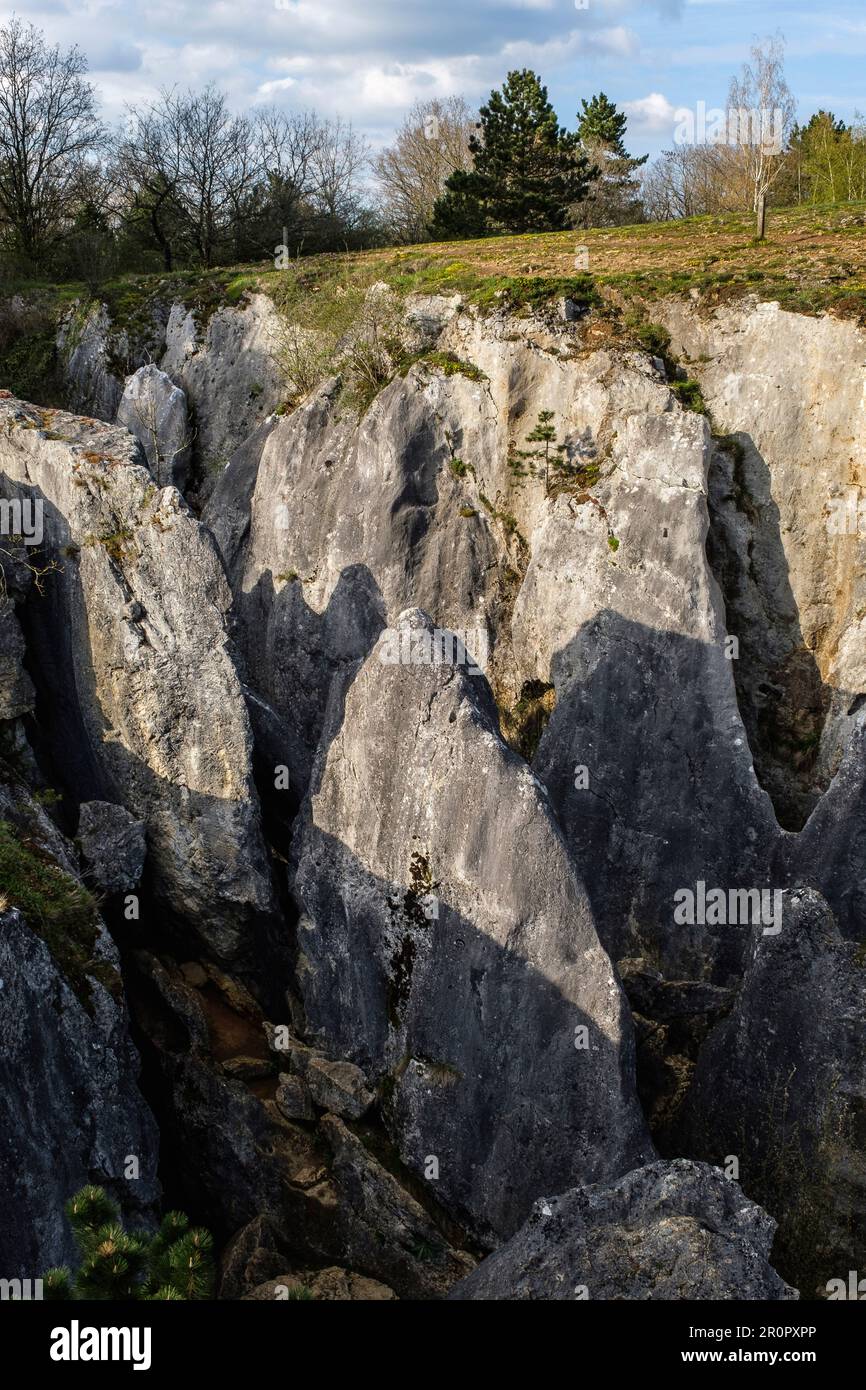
x=528, y=170
x=599, y=123
x=552, y=461
x=176, y=1263
x=614, y=195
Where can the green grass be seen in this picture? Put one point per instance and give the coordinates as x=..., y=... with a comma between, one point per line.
x=452, y=365
x=689, y=395
x=812, y=261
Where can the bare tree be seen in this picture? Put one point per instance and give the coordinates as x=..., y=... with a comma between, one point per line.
x=687, y=181
x=338, y=160
x=193, y=165
x=761, y=111
x=432, y=142
x=150, y=155
x=48, y=127
x=217, y=168
x=288, y=143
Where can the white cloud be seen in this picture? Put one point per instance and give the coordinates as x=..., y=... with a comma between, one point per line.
x=650, y=115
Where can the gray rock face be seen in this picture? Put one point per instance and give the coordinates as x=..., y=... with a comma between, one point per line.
x=16, y=688
x=113, y=846
x=70, y=1109
x=293, y=1098
x=154, y=410
x=781, y=1085
x=645, y=755
x=600, y=596
x=16, y=578
x=327, y=1285
x=328, y=1198
x=335, y=1086
x=131, y=646
x=790, y=388
x=477, y=994
x=671, y=1231
x=84, y=341
x=228, y=372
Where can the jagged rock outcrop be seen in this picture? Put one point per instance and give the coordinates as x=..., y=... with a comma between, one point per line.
x=70, y=1109
x=16, y=688
x=327, y=1285
x=87, y=346
x=780, y=1085
x=789, y=545
x=663, y=792
x=676, y=1231
x=17, y=695
x=113, y=846
x=154, y=410
x=223, y=360
x=228, y=369
x=601, y=587
x=438, y=518
x=130, y=645
x=449, y=987
x=314, y=1193
x=479, y=994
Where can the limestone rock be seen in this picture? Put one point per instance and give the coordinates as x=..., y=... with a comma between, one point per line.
x=319, y=1190
x=471, y=989
x=113, y=846
x=390, y=1230
x=228, y=371
x=154, y=410
x=250, y=1258
x=645, y=756
x=338, y=1087
x=293, y=1098
x=16, y=688
x=674, y=1231
x=327, y=1285
x=148, y=709
x=71, y=1112
x=781, y=1085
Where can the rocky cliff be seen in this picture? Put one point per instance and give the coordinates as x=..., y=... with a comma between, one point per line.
x=471, y=772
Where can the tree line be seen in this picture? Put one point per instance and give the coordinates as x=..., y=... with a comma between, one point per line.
x=186, y=182
x=182, y=182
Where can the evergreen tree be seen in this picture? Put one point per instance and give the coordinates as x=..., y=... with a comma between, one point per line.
x=613, y=198
x=528, y=170
x=826, y=162
x=176, y=1263
x=599, y=123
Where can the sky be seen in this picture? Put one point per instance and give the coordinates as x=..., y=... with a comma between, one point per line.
x=368, y=60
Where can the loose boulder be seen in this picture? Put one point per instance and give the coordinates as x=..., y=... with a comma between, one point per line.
x=673, y=1231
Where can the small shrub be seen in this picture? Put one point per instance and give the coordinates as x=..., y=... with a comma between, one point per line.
x=175, y=1263
x=452, y=365
x=690, y=396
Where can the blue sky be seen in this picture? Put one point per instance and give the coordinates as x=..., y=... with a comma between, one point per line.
x=367, y=60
